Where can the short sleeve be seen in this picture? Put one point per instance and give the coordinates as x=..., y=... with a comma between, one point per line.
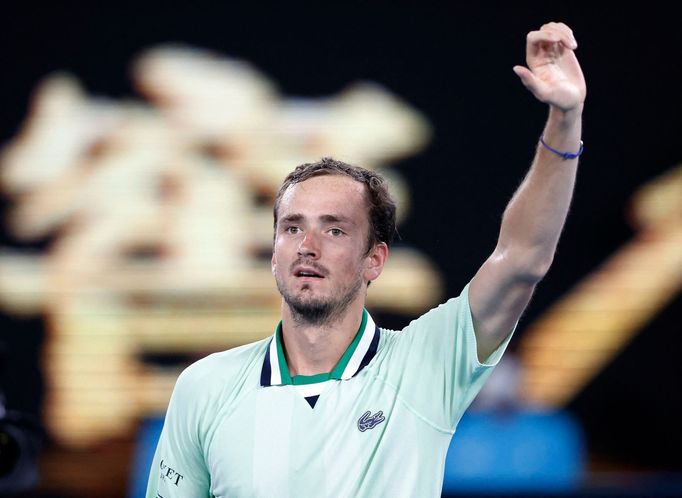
x=179, y=468
x=434, y=365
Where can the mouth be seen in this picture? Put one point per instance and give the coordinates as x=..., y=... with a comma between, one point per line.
x=308, y=273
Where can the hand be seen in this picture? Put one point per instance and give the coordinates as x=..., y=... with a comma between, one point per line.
x=553, y=74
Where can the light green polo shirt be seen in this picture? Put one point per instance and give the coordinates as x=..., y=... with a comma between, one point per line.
x=238, y=424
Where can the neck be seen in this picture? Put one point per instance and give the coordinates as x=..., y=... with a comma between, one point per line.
x=314, y=349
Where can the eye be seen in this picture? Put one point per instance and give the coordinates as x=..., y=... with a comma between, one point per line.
x=336, y=231
x=292, y=230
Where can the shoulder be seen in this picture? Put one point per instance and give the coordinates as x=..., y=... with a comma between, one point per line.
x=209, y=386
x=455, y=310
x=222, y=370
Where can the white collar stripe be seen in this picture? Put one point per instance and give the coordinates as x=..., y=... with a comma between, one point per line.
x=361, y=350
x=307, y=390
x=275, y=374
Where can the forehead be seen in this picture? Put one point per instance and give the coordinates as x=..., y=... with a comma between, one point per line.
x=325, y=194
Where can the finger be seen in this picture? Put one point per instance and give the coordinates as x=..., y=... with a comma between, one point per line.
x=550, y=36
x=564, y=32
x=559, y=26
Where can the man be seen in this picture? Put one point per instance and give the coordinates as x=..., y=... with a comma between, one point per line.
x=332, y=405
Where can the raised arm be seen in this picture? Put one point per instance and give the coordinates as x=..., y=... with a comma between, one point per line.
x=535, y=216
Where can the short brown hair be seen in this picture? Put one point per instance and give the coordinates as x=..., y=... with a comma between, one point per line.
x=380, y=204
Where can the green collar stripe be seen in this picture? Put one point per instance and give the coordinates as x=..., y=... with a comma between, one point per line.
x=336, y=373
x=300, y=380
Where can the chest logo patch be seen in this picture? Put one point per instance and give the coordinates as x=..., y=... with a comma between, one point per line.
x=369, y=421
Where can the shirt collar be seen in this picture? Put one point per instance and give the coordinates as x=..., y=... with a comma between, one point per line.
x=275, y=371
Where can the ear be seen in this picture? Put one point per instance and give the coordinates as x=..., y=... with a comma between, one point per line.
x=375, y=261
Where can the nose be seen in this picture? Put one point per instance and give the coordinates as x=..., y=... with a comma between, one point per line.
x=309, y=246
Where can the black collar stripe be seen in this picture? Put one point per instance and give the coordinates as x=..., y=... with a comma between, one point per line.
x=265, y=371
x=371, y=352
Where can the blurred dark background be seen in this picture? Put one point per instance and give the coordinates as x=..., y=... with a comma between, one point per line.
x=454, y=64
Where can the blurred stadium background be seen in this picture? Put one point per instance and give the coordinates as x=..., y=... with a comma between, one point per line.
x=142, y=147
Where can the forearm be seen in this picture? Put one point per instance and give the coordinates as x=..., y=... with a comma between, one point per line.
x=535, y=216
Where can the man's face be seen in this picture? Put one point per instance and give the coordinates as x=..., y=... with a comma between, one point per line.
x=319, y=259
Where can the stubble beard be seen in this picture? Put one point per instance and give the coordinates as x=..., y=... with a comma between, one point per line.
x=318, y=311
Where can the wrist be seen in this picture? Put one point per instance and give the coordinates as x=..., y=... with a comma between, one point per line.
x=563, y=154
x=566, y=117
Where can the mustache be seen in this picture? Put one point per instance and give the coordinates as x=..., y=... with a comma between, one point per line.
x=310, y=264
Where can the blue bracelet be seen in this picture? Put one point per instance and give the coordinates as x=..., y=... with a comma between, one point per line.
x=565, y=155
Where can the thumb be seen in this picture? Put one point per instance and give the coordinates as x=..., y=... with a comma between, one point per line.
x=529, y=80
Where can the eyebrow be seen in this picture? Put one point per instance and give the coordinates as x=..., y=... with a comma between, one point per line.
x=326, y=218
x=292, y=218
x=336, y=218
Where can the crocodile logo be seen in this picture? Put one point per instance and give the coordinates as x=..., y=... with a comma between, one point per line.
x=369, y=421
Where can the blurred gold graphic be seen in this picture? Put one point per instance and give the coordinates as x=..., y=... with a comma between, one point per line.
x=582, y=332
x=158, y=215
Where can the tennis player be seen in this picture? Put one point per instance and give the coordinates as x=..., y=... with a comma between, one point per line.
x=331, y=405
